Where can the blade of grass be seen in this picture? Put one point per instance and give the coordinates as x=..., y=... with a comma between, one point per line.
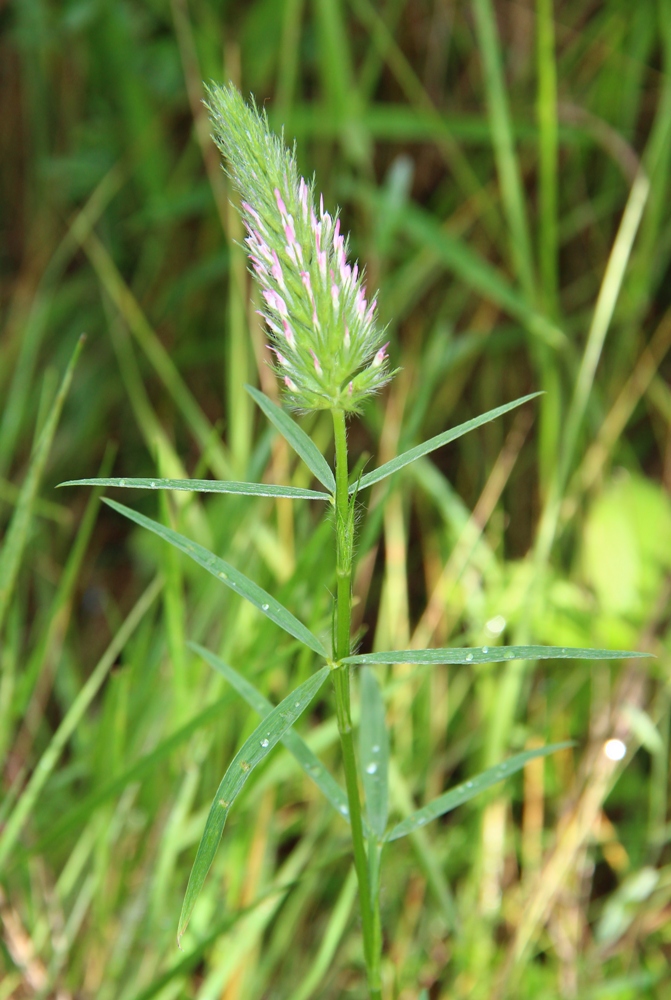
x=32, y=330
x=421, y=227
x=51, y=638
x=304, y=446
x=227, y=575
x=205, y=486
x=267, y=734
x=436, y=442
x=79, y=814
x=125, y=302
x=469, y=789
x=491, y=654
x=289, y=52
x=335, y=929
x=546, y=110
x=601, y=320
x=72, y=719
x=17, y=533
x=296, y=746
x=504, y=148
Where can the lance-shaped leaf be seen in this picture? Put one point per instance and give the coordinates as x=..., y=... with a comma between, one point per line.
x=309, y=761
x=436, y=442
x=266, y=735
x=205, y=486
x=303, y=445
x=228, y=575
x=469, y=789
x=491, y=654
x=374, y=753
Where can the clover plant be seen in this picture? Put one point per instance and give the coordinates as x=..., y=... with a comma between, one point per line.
x=328, y=354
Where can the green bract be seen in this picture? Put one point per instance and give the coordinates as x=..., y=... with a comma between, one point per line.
x=322, y=327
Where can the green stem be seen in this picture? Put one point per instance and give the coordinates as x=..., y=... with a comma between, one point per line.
x=344, y=526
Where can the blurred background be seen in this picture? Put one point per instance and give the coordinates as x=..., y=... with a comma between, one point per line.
x=504, y=169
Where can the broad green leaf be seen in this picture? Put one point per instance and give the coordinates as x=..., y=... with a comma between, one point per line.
x=266, y=735
x=205, y=486
x=374, y=753
x=303, y=445
x=309, y=761
x=469, y=789
x=491, y=654
x=437, y=442
x=228, y=575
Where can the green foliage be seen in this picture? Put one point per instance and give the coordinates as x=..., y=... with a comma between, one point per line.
x=264, y=738
x=229, y=576
x=546, y=527
x=205, y=486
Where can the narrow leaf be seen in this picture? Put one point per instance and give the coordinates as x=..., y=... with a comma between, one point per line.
x=205, y=486
x=374, y=753
x=437, y=442
x=309, y=761
x=267, y=734
x=303, y=445
x=469, y=789
x=491, y=654
x=17, y=532
x=228, y=575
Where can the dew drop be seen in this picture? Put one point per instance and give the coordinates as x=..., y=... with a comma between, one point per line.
x=371, y=768
x=264, y=607
x=469, y=784
x=344, y=810
x=564, y=650
x=122, y=482
x=615, y=749
x=469, y=657
x=485, y=649
x=510, y=655
x=297, y=704
x=223, y=576
x=421, y=821
x=375, y=748
x=264, y=743
x=153, y=485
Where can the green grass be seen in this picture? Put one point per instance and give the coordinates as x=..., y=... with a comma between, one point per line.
x=486, y=160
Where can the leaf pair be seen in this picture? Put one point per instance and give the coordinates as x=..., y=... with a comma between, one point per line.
x=306, y=449
x=308, y=452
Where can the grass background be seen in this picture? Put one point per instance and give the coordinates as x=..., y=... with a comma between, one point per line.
x=504, y=170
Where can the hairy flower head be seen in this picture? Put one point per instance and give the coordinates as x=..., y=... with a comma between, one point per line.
x=322, y=324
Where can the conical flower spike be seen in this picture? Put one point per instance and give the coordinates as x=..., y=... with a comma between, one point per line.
x=322, y=328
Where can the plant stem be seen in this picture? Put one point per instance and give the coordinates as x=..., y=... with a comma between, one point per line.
x=344, y=526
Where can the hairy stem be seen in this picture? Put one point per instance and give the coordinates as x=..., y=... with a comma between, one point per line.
x=344, y=527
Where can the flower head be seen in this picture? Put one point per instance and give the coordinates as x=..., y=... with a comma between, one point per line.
x=321, y=323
